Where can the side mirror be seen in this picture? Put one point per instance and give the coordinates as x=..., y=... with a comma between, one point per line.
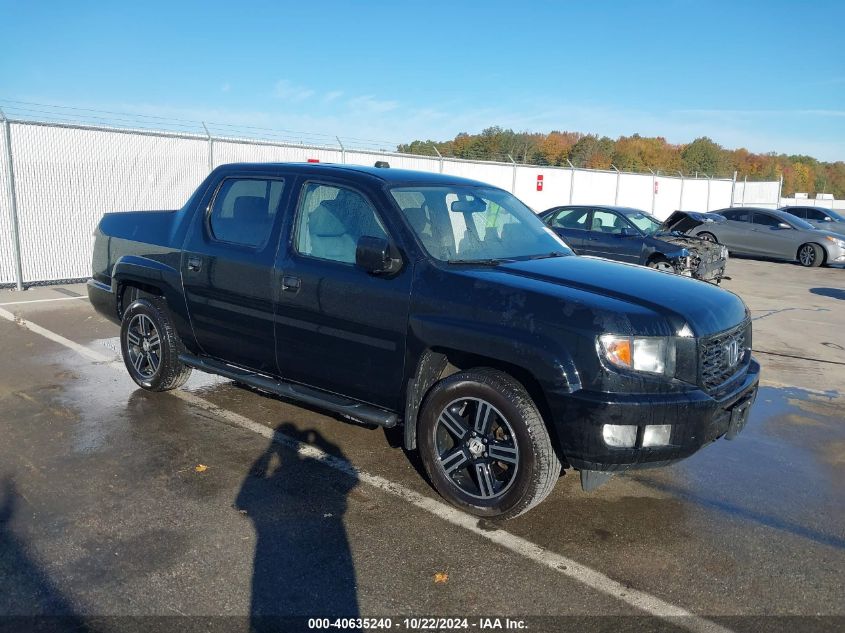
x=373, y=254
x=783, y=225
x=627, y=231
x=827, y=218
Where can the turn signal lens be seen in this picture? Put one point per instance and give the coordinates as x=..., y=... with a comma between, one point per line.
x=617, y=350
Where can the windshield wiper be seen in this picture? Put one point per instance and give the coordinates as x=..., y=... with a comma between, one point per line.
x=480, y=262
x=548, y=255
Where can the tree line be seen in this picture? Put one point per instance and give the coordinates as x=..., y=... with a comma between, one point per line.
x=638, y=153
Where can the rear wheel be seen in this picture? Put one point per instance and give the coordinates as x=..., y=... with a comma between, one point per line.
x=151, y=347
x=708, y=237
x=485, y=446
x=810, y=255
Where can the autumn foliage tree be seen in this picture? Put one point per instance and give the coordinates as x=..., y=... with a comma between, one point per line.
x=640, y=153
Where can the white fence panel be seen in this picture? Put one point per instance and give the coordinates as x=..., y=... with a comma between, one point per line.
x=7, y=257
x=554, y=191
x=593, y=187
x=491, y=173
x=757, y=194
x=396, y=161
x=695, y=194
x=238, y=152
x=67, y=178
x=668, y=196
x=720, y=194
x=635, y=190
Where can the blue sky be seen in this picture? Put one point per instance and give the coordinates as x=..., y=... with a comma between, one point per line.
x=764, y=75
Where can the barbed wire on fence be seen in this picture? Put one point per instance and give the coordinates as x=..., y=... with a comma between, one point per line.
x=17, y=110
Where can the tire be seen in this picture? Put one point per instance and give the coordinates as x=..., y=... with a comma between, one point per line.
x=458, y=460
x=150, y=346
x=660, y=263
x=810, y=255
x=707, y=237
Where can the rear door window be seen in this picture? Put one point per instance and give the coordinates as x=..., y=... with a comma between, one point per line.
x=575, y=219
x=243, y=210
x=737, y=216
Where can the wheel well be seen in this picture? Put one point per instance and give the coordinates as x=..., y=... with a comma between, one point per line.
x=453, y=361
x=130, y=290
x=656, y=257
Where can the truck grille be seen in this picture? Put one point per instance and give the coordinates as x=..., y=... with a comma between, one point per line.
x=723, y=355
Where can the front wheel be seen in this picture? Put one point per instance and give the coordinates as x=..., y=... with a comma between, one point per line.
x=708, y=237
x=810, y=255
x=660, y=263
x=484, y=444
x=150, y=346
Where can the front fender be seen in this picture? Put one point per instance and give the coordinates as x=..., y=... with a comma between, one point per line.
x=546, y=360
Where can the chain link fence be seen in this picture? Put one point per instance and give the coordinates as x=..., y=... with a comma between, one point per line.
x=57, y=180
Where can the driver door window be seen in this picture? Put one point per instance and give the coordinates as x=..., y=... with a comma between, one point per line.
x=330, y=221
x=765, y=220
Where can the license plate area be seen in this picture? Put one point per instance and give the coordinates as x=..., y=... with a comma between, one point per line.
x=739, y=416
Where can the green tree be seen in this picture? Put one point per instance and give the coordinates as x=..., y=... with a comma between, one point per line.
x=705, y=157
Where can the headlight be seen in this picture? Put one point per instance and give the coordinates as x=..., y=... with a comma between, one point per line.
x=839, y=243
x=649, y=354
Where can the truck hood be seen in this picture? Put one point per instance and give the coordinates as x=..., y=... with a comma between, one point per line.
x=684, y=221
x=706, y=308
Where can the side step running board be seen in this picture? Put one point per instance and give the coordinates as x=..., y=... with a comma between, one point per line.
x=365, y=413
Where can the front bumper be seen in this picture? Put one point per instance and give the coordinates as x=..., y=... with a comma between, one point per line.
x=696, y=418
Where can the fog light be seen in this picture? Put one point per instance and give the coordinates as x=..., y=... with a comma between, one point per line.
x=657, y=434
x=621, y=435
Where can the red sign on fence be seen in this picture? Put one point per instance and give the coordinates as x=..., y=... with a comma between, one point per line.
x=655, y=187
x=539, y=182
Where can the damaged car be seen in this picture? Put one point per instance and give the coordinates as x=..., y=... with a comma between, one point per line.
x=630, y=235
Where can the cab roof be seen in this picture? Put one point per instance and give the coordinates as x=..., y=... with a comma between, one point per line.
x=387, y=175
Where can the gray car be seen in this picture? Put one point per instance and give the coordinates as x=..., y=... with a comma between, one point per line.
x=773, y=233
x=819, y=217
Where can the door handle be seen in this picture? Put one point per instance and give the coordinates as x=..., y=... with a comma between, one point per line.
x=194, y=263
x=291, y=284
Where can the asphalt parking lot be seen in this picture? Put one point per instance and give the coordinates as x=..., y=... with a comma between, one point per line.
x=218, y=501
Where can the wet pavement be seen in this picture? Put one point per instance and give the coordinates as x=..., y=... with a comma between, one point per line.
x=105, y=509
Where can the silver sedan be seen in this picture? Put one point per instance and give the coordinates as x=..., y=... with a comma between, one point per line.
x=772, y=233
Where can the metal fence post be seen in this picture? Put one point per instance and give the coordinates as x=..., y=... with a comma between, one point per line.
x=513, y=181
x=744, y=187
x=439, y=156
x=210, y=148
x=780, y=189
x=733, y=189
x=342, y=151
x=13, y=201
x=571, y=179
x=709, y=180
x=618, y=174
x=653, y=182
x=681, y=197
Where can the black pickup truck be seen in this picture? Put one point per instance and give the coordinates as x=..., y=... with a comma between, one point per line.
x=435, y=303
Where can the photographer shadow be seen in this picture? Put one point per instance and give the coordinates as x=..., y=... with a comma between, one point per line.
x=303, y=565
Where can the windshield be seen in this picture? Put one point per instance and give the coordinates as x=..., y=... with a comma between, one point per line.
x=644, y=222
x=465, y=224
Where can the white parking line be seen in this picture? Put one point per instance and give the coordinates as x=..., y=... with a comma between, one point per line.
x=564, y=566
x=17, y=303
